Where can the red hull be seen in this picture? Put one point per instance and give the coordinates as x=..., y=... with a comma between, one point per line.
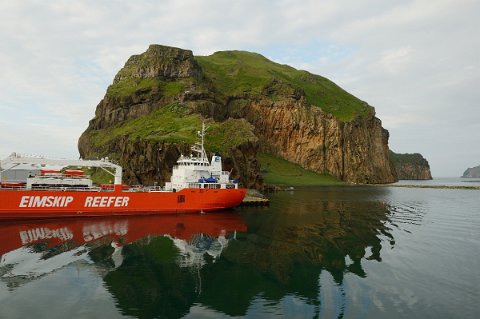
x=16, y=204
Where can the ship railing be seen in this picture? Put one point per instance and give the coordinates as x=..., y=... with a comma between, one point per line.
x=135, y=188
x=13, y=188
x=153, y=189
x=70, y=189
x=56, y=189
x=205, y=185
x=212, y=185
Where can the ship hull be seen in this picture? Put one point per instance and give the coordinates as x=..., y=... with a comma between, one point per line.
x=39, y=204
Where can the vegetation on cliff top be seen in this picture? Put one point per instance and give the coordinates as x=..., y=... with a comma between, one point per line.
x=236, y=73
x=411, y=166
x=277, y=171
x=239, y=72
x=402, y=159
x=175, y=124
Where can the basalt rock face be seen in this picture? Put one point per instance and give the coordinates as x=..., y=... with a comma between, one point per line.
x=411, y=166
x=292, y=114
x=355, y=152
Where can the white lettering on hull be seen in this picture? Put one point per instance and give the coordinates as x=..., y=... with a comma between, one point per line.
x=45, y=201
x=107, y=201
x=64, y=201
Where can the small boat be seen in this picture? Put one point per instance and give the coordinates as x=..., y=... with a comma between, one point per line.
x=197, y=185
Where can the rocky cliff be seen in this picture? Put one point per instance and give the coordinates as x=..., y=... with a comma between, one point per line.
x=473, y=172
x=150, y=114
x=411, y=166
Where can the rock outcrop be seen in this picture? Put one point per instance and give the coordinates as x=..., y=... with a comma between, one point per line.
x=146, y=83
x=411, y=166
x=473, y=172
x=292, y=114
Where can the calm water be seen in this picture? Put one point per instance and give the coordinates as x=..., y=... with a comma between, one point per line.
x=343, y=252
x=443, y=181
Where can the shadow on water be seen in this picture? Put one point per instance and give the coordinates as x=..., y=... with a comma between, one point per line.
x=169, y=266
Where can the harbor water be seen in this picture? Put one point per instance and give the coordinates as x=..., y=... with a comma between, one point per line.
x=315, y=252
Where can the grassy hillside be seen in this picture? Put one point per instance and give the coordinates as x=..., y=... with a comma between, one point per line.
x=277, y=171
x=174, y=124
x=237, y=72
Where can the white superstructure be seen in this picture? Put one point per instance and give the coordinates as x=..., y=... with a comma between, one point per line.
x=16, y=160
x=195, y=171
x=54, y=178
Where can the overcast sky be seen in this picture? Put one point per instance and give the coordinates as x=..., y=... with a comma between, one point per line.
x=416, y=62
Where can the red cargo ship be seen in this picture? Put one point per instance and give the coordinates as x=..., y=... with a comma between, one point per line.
x=197, y=185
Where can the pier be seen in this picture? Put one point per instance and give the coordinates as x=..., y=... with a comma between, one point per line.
x=255, y=201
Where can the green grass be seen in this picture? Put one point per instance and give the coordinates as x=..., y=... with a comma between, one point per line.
x=407, y=158
x=98, y=175
x=235, y=73
x=174, y=124
x=238, y=72
x=277, y=171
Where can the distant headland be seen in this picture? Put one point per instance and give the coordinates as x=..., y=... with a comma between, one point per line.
x=473, y=172
x=411, y=166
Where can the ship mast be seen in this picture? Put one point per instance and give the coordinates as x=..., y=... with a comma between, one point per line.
x=199, y=146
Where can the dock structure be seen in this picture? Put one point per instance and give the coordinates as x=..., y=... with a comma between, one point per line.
x=255, y=201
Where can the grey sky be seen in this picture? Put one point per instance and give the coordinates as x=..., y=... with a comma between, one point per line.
x=416, y=62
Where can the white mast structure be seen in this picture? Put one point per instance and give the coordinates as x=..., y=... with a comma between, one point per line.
x=199, y=146
x=197, y=172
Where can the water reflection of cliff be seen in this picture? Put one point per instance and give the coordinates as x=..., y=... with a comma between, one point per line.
x=334, y=233
x=283, y=254
x=288, y=246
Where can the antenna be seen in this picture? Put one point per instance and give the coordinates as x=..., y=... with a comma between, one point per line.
x=199, y=146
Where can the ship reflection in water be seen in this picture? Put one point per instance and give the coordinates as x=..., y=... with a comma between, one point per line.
x=32, y=249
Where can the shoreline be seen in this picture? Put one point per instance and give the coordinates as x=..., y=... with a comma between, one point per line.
x=274, y=188
x=426, y=186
